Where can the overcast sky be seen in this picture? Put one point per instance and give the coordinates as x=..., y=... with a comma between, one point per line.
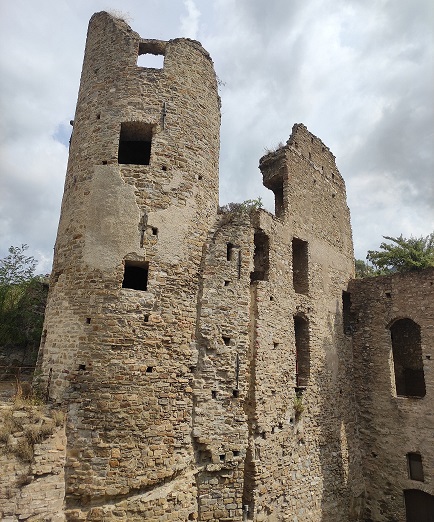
x=358, y=73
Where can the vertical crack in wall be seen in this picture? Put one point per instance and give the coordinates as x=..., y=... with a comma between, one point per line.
x=250, y=408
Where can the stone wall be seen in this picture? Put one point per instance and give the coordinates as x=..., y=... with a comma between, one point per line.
x=32, y=462
x=392, y=426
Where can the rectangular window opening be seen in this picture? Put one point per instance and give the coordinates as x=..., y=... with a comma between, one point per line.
x=226, y=340
x=302, y=350
x=415, y=468
x=300, y=272
x=136, y=275
x=261, y=262
x=135, y=143
x=150, y=55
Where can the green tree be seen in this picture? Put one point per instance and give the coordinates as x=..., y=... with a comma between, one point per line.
x=22, y=303
x=363, y=269
x=403, y=255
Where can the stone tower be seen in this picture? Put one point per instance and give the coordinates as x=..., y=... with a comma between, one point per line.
x=201, y=356
x=141, y=194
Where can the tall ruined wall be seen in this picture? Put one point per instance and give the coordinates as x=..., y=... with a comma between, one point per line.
x=118, y=357
x=303, y=465
x=393, y=424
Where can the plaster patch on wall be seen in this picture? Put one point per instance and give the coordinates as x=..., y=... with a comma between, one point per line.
x=112, y=219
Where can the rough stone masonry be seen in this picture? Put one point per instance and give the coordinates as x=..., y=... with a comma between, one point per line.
x=217, y=366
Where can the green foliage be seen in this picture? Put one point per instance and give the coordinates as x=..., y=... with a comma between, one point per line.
x=241, y=208
x=403, y=255
x=298, y=407
x=363, y=269
x=22, y=302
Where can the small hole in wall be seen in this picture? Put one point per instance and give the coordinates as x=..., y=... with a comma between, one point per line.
x=236, y=453
x=199, y=177
x=310, y=155
x=280, y=425
x=388, y=295
x=149, y=369
x=271, y=298
x=98, y=116
x=88, y=320
x=154, y=231
x=227, y=283
x=333, y=175
x=333, y=195
x=192, y=368
x=374, y=455
x=81, y=366
x=104, y=163
x=311, y=140
x=214, y=394
x=146, y=318
x=226, y=340
x=275, y=345
x=322, y=149
x=164, y=168
x=428, y=357
x=222, y=458
x=263, y=435
x=191, y=516
x=272, y=430
x=235, y=393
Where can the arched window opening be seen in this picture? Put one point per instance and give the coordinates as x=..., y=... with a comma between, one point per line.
x=302, y=351
x=407, y=358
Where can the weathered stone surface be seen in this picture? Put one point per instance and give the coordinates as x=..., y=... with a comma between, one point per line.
x=208, y=361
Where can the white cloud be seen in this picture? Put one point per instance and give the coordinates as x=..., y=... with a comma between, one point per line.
x=190, y=23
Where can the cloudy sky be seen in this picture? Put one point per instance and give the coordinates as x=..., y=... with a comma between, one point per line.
x=358, y=73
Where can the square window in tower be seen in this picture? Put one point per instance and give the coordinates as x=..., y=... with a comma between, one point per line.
x=135, y=143
x=136, y=275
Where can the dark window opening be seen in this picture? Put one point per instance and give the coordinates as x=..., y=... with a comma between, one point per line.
x=229, y=251
x=136, y=275
x=388, y=295
x=261, y=262
x=235, y=393
x=200, y=177
x=347, y=317
x=407, y=358
x=419, y=506
x=226, y=340
x=227, y=283
x=302, y=351
x=154, y=231
x=149, y=369
x=214, y=394
x=414, y=465
x=222, y=457
x=300, y=260
x=275, y=345
x=279, y=207
x=164, y=168
x=135, y=143
x=81, y=366
x=88, y=320
x=43, y=337
x=104, y=162
x=236, y=453
x=146, y=318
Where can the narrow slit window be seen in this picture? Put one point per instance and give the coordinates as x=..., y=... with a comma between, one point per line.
x=136, y=275
x=414, y=465
x=261, y=262
x=300, y=260
x=135, y=143
x=229, y=251
x=302, y=350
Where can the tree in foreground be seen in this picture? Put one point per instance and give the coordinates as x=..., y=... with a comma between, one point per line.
x=22, y=305
x=402, y=255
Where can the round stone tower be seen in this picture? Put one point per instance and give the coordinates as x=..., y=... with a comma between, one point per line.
x=141, y=194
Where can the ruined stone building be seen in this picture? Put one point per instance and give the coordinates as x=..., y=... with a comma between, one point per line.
x=223, y=366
